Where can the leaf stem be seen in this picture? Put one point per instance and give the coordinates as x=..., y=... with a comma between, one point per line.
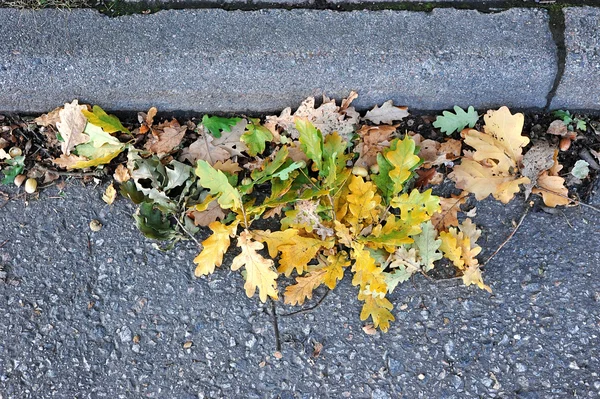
x=188, y=233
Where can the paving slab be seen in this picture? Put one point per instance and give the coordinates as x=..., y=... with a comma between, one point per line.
x=261, y=61
x=580, y=83
x=106, y=315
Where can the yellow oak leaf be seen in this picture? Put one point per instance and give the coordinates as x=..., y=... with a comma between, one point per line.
x=304, y=287
x=506, y=128
x=367, y=274
x=259, y=271
x=484, y=180
x=451, y=248
x=378, y=309
x=214, y=247
x=343, y=233
x=299, y=253
x=275, y=239
x=551, y=186
x=363, y=201
x=73, y=161
x=395, y=232
x=492, y=168
x=110, y=194
x=334, y=268
x=472, y=275
x=552, y=189
x=403, y=160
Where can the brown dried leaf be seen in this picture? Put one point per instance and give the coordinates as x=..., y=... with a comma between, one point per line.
x=227, y=166
x=204, y=149
x=212, y=213
x=164, y=141
x=374, y=139
x=121, y=174
x=539, y=158
x=49, y=119
x=387, y=113
x=71, y=126
x=328, y=118
x=447, y=217
x=558, y=128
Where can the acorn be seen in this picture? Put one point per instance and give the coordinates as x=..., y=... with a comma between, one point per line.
x=19, y=180
x=30, y=186
x=375, y=169
x=15, y=152
x=360, y=171
x=95, y=225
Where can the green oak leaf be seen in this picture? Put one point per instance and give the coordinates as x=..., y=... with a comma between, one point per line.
x=256, y=137
x=581, y=169
x=216, y=124
x=449, y=123
x=153, y=223
x=110, y=123
x=427, y=246
x=284, y=173
x=216, y=181
x=311, y=141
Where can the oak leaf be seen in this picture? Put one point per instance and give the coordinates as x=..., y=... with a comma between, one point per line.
x=387, y=113
x=110, y=194
x=373, y=140
x=214, y=247
x=206, y=215
x=217, y=183
x=109, y=123
x=334, y=266
x=164, y=141
x=304, y=287
x=256, y=137
x=537, y=159
x=551, y=186
x=378, y=309
x=403, y=160
x=484, y=180
x=259, y=271
x=427, y=246
x=328, y=117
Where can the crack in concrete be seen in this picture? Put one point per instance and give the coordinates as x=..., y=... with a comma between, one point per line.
x=557, y=28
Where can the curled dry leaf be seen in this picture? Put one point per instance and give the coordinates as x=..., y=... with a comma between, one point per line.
x=551, y=186
x=448, y=215
x=49, y=119
x=121, y=174
x=387, y=113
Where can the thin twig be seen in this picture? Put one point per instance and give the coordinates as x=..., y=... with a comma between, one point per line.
x=188, y=233
x=3, y=243
x=275, y=326
x=306, y=310
x=507, y=238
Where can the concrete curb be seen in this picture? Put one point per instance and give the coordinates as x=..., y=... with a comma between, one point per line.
x=212, y=60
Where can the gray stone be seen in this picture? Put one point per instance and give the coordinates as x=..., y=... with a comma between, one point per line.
x=578, y=88
x=239, y=61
